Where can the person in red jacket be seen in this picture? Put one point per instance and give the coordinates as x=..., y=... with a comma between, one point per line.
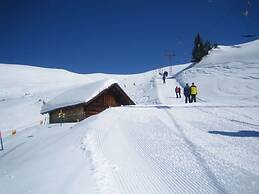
x=176, y=91
x=179, y=91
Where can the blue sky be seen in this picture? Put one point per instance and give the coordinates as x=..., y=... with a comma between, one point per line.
x=117, y=36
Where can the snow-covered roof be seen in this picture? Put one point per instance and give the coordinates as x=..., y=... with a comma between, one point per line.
x=78, y=95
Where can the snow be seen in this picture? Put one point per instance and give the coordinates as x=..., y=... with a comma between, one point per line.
x=78, y=95
x=45, y=159
x=24, y=88
x=161, y=150
x=160, y=145
x=229, y=74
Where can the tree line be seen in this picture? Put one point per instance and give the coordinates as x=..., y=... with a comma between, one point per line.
x=200, y=48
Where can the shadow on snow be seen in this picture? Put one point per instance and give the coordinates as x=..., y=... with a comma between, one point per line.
x=236, y=133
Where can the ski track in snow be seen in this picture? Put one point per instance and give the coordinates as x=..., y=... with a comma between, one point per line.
x=214, y=180
x=112, y=178
x=203, y=185
x=214, y=184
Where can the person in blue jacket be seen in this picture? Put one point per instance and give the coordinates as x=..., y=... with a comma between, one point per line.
x=187, y=93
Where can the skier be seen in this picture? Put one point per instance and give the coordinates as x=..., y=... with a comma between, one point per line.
x=187, y=93
x=194, y=92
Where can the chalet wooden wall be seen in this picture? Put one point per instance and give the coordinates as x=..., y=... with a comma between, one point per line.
x=101, y=103
x=72, y=114
x=82, y=111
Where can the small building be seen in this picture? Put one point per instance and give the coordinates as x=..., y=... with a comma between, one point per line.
x=81, y=102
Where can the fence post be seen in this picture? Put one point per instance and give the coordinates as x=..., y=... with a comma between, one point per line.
x=1, y=141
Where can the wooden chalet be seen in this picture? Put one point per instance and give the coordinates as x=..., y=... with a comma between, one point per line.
x=99, y=97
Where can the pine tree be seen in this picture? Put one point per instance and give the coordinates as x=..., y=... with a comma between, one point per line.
x=198, y=49
x=207, y=47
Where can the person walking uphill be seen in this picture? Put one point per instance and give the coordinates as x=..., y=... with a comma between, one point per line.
x=194, y=92
x=163, y=79
x=165, y=74
x=187, y=93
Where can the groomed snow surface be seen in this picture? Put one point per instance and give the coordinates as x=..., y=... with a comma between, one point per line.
x=161, y=145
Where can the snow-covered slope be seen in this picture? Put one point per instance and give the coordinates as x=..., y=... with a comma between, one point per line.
x=24, y=88
x=229, y=74
x=174, y=150
x=161, y=145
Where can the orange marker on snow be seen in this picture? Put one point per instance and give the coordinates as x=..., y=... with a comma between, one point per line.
x=14, y=132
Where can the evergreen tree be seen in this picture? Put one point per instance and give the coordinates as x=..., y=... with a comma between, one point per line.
x=198, y=49
x=207, y=47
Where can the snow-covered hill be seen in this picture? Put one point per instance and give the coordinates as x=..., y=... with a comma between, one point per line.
x=229, y=74
x=161, y=145
x=24, y=88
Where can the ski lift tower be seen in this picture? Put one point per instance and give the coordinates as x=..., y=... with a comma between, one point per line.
x=170, y=55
